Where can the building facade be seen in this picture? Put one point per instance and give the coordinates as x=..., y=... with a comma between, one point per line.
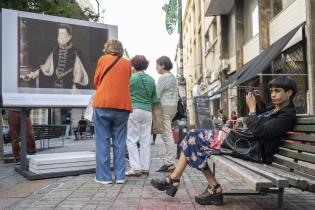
x=223, y=38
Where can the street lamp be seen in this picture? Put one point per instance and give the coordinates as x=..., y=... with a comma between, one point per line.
x=98, y=7
x=174, y=14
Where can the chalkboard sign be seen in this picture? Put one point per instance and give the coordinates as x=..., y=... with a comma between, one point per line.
x=203, y=119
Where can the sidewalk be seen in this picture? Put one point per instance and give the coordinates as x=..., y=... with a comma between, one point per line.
x=81, y=192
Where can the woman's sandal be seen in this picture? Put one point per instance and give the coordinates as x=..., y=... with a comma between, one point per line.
x=168, y=184
x=210, y=196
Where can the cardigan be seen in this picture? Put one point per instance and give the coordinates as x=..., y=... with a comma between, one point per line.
x=270, y=130
x=143, y=91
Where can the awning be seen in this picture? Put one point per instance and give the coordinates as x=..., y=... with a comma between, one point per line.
x=219, y=7
x=227, y=84
x=259, y=63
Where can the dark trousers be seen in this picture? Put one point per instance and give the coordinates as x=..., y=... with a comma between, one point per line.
x=14, y=123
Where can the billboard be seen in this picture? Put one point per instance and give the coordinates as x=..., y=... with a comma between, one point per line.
x=49, y=61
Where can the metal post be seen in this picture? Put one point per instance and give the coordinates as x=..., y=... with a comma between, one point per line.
x=181, y=79
x=49, y=116
x=180, y=31
x=1, y=139
x=24, y=163
x=280, y=198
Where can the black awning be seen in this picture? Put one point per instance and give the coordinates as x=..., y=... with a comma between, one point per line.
x=263, y=60
x=227, y=84
x=259, y=63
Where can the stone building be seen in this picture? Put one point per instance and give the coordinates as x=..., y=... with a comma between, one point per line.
x=232, y=46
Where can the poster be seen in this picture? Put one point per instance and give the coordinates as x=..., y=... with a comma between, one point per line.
x=49, y=61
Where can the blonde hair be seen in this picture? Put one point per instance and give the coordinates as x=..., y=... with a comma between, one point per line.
x=113, y=47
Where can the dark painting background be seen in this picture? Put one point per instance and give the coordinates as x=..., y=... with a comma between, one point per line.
x=41, y=37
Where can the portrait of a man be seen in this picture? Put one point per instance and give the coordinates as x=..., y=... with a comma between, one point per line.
x=63, y=67
x=58, y=55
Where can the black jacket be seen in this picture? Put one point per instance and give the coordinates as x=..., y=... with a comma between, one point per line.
x=272, y=129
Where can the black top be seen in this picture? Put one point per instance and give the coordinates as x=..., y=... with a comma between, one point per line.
x=62, y=77
x=83, y=123
x=270, y=130
x=68, y=120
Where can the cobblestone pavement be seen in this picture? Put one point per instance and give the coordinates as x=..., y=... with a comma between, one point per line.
x=81, y=192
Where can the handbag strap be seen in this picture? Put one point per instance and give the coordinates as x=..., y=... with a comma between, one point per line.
x=108, y=69
x=145, y=88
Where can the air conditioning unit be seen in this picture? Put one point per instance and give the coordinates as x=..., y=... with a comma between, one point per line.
x=224, y=64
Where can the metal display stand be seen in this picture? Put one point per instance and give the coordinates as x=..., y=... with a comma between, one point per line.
x=23, y=168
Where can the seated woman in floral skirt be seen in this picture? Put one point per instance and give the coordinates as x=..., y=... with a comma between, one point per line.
x=268, y=127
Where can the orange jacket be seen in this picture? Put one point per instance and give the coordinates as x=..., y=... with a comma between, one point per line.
x=113, y=91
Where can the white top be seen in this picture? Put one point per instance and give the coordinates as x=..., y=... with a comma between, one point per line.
x=167, y=91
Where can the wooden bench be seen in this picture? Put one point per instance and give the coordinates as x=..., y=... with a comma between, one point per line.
x=293, y=166
x=48, y=132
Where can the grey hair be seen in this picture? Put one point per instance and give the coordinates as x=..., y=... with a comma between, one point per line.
x=113, y=47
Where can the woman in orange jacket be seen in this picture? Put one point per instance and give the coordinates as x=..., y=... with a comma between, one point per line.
x=112, y=105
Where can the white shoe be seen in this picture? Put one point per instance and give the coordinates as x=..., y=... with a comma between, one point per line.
x=121, y=181
x=103, y=182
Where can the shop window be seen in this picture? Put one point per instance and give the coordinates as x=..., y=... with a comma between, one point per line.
x=292, y=62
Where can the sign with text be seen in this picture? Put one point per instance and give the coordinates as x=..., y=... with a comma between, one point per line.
x=202, y=108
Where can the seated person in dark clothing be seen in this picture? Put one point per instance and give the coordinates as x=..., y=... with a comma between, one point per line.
x=82, y=127
x=268, y=126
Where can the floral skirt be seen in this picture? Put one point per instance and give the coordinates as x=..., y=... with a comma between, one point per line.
x=197, y=146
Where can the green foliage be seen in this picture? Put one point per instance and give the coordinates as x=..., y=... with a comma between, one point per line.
x=64, y=8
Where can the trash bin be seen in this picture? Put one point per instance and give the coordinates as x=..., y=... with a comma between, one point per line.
x=182, y=130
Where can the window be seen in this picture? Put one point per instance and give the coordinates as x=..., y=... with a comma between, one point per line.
x=207, y=41
x=231, y=33
x=214, y=30
x=251, y=19
x=278, y=5
x=292, y=61
x=255, y=22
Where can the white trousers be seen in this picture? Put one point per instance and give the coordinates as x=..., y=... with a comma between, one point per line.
x=168, y=139
x=139, y=129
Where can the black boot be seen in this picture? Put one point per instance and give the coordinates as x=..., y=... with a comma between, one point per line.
x=210, y=196
x=168, y=184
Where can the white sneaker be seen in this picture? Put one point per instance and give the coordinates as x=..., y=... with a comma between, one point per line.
x=121, y=181
x=103, y=182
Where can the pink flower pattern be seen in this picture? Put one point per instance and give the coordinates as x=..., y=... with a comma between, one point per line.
x=196, y=147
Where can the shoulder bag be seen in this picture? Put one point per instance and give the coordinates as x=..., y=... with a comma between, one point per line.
x=242, y=145
x=88, y=114
x=181, y=113
x=157, y=119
